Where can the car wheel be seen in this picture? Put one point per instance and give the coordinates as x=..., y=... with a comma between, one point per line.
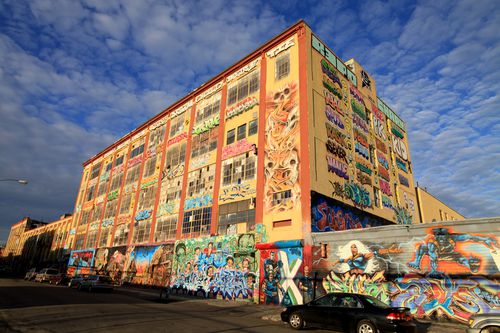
x=494, y=329
x=295, y=321
x=366, y=326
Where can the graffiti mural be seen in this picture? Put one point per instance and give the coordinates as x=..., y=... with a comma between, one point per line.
x=441, y=274
x=331, y=215
x=280, y=271
x=282, y=147
x=222, y=266
x=235, y=192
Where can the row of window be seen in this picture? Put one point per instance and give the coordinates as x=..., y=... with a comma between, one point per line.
x=239, y=133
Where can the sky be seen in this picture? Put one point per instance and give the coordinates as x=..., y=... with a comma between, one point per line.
x=77, y=75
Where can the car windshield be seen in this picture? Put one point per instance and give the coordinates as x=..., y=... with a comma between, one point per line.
x=376, y=302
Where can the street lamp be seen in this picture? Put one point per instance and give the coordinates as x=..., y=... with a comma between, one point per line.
x=20, y=181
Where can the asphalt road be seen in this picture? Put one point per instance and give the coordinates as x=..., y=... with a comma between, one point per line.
x=40, y=308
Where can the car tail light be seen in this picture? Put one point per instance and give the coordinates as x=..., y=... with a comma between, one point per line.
x=399, y=316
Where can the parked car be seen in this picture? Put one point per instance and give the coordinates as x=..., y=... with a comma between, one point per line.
x=96, y=282
x=30, y=274
x=484, y=323
x=45, y=274
x=75, y=281
x=58, y=279
x=350, y=313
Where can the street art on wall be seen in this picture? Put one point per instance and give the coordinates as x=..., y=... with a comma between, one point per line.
x=222, y=266
x=282, y=147
x=235, y=192
x=331, y=215
x=80, y=262
x=443, y=274
x=280, y=267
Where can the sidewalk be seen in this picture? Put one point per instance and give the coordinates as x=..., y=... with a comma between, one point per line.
x=269, y=312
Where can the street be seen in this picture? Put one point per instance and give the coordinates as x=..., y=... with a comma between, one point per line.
x=39, y=308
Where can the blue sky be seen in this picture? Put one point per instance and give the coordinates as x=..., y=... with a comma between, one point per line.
x=77, y=75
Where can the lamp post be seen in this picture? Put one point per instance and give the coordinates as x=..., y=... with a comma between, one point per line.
x=20, y=181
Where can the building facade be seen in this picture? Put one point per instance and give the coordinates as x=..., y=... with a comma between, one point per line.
x=431, y=209
x=239, y=189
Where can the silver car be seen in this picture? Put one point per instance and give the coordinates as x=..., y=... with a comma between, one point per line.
x=96, y=282
x=484, y=323
x=45, y=274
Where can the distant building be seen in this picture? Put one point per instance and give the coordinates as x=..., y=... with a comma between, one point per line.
x=431, y=209
x=14, y=244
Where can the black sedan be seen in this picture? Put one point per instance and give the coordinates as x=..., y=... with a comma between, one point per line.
x=350, y=313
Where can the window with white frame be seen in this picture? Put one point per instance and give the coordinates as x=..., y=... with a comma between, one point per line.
x=231, y=136
x=282, y=197
x=121, y=235
x=177, y=125
x=125, y=204
x=103, y=237
x=147, y=198
x=150, y=166
x=176, y=155
x=166, y=228
x=207, y=110
x=253, y=127
x=137, y=151
x=236, y=213
x=241, y=132
x=204, y=142
x=142, y=230
x=245, y=86
x=197, y=222
x=156, y=137
x=91, y=238
x=79, y=239
x=116, y=181
x=84, y=218
x=110, y=209
x=239, y=168
x=201, y=181
x=97, y=214
x=282, y=66
x=133, y=174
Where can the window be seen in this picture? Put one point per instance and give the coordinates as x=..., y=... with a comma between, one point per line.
x=90, y=193
x=95, y=171
x=147, y=198
x=242, y=132
x=245, y=86
x=235, y=213
x=230, y=137
x=133, y=174
x=280, y=198
x=108, y=167
x=141, y=231
x=84, y=219
x=91, y=238
x=96, y=216
x=103, y=238
x=238, y=168
x=253, y=127
x=173, y=189
x=204, y=142
x=197, y=222
x=166, y=228
x=110, y=209
x=156, y=137
x=177, y=125
x=125, y=204
x=103, y=186
x=282, y=66
x=79, y=239
x=121, y=235
x=116, y=182
x=175, y=155
x=207, y=111
x=137, y=151
x=201, y=181
x=119, y=161
x=150, y=166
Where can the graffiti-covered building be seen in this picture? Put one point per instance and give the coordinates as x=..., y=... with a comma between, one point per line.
x=222, y=194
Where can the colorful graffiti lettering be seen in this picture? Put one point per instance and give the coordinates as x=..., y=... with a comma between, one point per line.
x=360, y=123
x=197, y=202
x=336, y=150
x=363, y=179
x=386, y=202
x=236, y=191
x=207, y=125
x=397, y=132
x=379, y=128
x=166, y=208
x=243, y=106
x=362, y=150
x=363, y=168
x=401, y=165
x=382, y=160
x=357, y=283
x=239, y=147
x=282, y=147
x=177, y=138
x=333, y=117
x=403, y=180
x=382, y=172
x=357, y=194
x=399, y=147
x=402, y=216
x=385, y=187
x=380, y=146
x=143, y=214
x=337, y=167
